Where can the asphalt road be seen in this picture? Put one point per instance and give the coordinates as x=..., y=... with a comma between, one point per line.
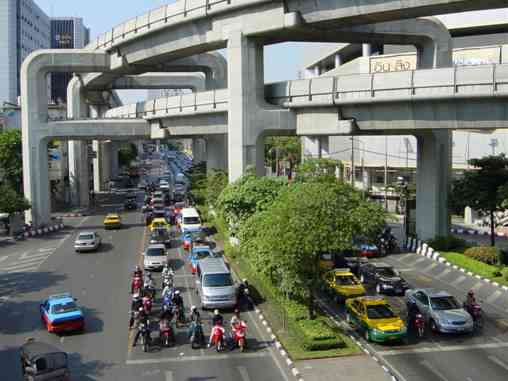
x=471, y=357
x=33, y=269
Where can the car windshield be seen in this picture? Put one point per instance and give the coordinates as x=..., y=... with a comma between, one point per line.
x=380, y=311
x=217, y=280
x=191, y=220
x=202, y=254
x=63, y=308
x=387, y=272
x=86, y=237
x=444, y=303
x=155, y=252
x=346, y=280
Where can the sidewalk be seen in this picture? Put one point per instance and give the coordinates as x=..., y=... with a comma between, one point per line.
x=351, y=368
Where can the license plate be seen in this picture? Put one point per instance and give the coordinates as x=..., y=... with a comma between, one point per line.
x=392, y=337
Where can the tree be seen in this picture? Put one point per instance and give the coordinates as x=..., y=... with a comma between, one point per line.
x=484, y=188
x=216, y=182
x=246, y=196
x=317, y=170
x=12, y=201
x=307, y=219
x=126, y=154
x=282, y=148
x=11, y=159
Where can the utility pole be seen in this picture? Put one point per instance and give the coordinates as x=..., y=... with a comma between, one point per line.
x=352, y=161
x=493, y=144
x=386, y=172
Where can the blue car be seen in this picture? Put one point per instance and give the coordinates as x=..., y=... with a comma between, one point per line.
x=61, y=314
x=197, y=253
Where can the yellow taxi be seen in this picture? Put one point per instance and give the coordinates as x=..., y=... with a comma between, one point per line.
x=342, y=284
x=159, y=223
x=112, y=221
x=374, y=318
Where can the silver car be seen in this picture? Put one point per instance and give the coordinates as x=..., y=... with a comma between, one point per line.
x=155, y=257
x=441, y=310
x=87, y=241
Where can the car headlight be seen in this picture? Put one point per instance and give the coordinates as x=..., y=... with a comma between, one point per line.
x=403, y=329
x=376, y=331
x=386, y=285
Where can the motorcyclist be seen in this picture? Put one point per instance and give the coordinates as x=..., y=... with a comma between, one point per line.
x=235, y=319
x=167, y=291
x=217, y=318
x=136, y=304
x=243, y=293
x=470, y=299
x=178, y=303
x=137, y=272
x=216, y=332
x=141, y=320
x=194, y=316
x=166, y=320
x=412, y=311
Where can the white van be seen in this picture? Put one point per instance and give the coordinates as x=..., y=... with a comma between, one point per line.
x=190, y=220
x=216, y=286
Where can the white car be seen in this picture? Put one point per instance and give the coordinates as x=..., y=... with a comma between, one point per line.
x=87, y=241
x=155, y=257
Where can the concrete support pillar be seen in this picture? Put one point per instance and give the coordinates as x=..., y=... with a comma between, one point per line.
x=434, y=163
x=366, y=50
x=97, y=148
x=101, y=165
x=250, y=118
x=324, y=150
x=115, y=166
x=338, y=60
x=79, y=174
x=199, y=148
x=216, y=152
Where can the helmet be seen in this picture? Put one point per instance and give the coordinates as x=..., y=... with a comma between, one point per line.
x=216, y=312
x=193, y=308
x=135, y=295
x=137, y=268
x=237, y=311
x=177, y=292
x=140, y=309
x=244, y=280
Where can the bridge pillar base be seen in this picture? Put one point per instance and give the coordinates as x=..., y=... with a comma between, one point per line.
x=199, y=148
x=101, y=165
x=434, y=164
x=216, y=152
x=79, y=173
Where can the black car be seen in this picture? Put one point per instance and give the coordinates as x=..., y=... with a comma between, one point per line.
x=160, y=236
x=130, y=202
x=386, y=279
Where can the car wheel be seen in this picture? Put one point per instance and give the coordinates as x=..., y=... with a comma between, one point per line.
x=378, y=288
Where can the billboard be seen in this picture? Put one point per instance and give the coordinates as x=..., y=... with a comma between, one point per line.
x=461, y=57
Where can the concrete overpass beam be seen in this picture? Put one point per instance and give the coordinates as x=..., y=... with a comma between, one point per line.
x=434, y=164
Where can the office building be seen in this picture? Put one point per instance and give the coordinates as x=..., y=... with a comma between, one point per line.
x=66, y=33
x=24, y=27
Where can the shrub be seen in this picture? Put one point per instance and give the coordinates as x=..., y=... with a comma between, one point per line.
x=505, y=273
x=485, y=254
x=447, y=243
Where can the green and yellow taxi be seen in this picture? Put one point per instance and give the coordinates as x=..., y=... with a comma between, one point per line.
x=375, y=319
x=343, y=284
x=159, y=223
x=112, y=221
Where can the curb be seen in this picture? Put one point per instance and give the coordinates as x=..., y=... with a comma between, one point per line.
x=290, y=364
x=38, y=232
x=73, y=215
x=421, y=248
x=474, y=232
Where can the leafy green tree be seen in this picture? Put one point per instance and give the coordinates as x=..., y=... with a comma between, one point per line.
x=11, y=162
x=246, y=196
x=484, y=188
x=305, y=220
x=282, y=148
x=127, y=154
x=317, y=170
x=216, y=182
x=12, y=201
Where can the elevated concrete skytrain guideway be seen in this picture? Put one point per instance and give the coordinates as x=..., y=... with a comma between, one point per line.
x=232, y=98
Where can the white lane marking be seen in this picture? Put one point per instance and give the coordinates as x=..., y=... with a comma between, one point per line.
x=25, y=262
x=3, y=258
x=421, y=259
x=243, y=373
x=217, y=357
x=46, y=249
x=497, y=361
x=428, y=268
x=459, y=280
x=22, y=269
x=433, y=370
x=33, y=256
x=494, y=296
x=169, y=375
x=444, y=348
x=444, y=273
x=407, y=256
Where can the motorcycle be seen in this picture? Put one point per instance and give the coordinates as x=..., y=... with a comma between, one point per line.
x=146, y=338
x=218, y=339
x=180, y=315
x=167, y=304
x=136, y=285
x=475, y=310
x=167, y=336
x=238, y=335
x=197, y=338
x=419, y=324
x=167, y=281
x=147, y=304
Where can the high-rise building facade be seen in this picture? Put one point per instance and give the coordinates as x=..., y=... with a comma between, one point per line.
x=66, y=33
x=24, y=27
